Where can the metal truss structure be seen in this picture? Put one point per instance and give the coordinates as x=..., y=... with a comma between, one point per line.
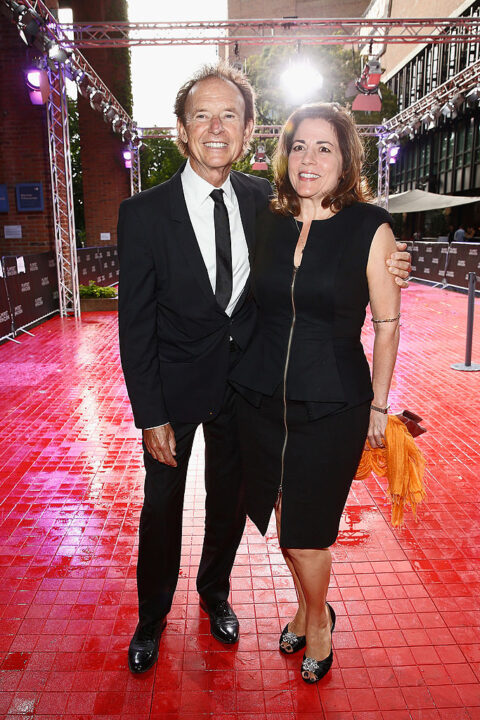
x=461, y=83
x=62, y=194
x=329, y=31
x=273, y=131
x=77, y=66
x=260, y=131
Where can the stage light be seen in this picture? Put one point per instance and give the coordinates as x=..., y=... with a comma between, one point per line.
x=127, y=157
x=393, y=151
x=473, y=96
x=96, y=99
x=260, y=161
x=29, y=25
x=109, y=113
x=117, y=124
x=38, y=86
x=300, y=82
x=127, y=134
x=57, y=53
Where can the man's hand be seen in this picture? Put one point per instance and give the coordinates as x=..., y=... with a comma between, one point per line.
x=160, y=443
x=399, y=264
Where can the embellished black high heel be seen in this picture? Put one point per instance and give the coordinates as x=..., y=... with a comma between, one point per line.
x=319, y=668
x=294, y=642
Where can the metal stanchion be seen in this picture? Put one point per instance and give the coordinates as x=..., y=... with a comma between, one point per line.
x=472, y=279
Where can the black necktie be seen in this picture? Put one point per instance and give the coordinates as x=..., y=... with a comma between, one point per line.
x=223, y=245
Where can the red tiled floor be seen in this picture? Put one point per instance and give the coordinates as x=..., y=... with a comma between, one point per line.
x=408, y=633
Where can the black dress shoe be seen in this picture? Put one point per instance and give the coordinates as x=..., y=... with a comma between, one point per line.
x=318, y=668
x=143, y=649
x=223, y=622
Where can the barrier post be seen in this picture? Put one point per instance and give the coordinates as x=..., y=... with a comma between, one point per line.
x=472, y=279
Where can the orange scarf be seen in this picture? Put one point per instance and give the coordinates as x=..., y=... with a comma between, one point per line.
x=402, y=463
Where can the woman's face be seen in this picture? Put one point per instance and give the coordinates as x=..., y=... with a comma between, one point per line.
x=315, y=160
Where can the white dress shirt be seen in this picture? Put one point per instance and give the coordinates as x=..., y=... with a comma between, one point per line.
x=200, y=208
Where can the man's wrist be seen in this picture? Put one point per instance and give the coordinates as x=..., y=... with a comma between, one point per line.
x=156, y=426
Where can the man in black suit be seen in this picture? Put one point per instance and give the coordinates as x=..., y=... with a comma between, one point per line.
x=184, y=315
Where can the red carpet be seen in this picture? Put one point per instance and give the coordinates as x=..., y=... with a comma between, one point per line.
x=407, y=643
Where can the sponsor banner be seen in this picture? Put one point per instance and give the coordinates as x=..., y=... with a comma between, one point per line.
x=98, y=265
x=31, y=286
x=439, y=261
x=5, y=316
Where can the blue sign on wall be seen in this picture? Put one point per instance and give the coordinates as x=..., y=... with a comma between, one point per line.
x=3, y=198
x=29, y=196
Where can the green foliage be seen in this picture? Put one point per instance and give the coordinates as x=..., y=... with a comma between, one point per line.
x=95, y=291
x=159, y=160
x=77, y=180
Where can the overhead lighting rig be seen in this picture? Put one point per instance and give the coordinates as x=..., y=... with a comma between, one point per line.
x=42, y=32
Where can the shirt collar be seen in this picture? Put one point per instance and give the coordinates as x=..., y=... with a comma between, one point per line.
x=199, y=189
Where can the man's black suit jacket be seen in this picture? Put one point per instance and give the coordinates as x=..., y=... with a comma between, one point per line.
x=174, y=337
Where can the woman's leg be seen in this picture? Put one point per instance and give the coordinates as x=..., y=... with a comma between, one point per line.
x=297, y=625
x=313, y=568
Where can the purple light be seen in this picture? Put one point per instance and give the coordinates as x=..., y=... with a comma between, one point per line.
x=33, y=79
x=393, y=153
x=127, y=156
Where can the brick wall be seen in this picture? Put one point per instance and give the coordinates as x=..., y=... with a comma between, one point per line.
x=106, y=181
x=23, y=148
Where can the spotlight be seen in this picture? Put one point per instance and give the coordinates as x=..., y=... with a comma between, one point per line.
x=473, y=96
x=301, y=81
x=96, y=99
x=127, y=134
x=38, y=86
x=260, y=161
x=393, y=151
x=117, y=124
x=109, y=113
x=29, y=25
x=449, y=110
x=136, y=142
x=127, y=157
x=57, y=53
x=369, y=98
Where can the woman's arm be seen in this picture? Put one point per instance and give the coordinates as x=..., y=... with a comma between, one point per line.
x=385, y=306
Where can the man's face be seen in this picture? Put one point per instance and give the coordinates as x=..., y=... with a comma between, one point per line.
x=215, y=129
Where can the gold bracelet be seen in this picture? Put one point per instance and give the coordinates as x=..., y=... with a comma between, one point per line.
x=387, y=320
x=380, y=410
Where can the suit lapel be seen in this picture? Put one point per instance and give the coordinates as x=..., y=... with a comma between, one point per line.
x=185, y=234
x=246, y=203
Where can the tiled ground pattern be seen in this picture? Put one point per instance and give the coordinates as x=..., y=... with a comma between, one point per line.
x=407, y=643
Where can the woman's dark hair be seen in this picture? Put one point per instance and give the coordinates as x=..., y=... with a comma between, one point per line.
x=220, y=71
x=351, y=187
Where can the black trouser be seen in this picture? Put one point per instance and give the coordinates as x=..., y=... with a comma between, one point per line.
x=161, y=517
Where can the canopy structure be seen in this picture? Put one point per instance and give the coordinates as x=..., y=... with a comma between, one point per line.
x=420, y=200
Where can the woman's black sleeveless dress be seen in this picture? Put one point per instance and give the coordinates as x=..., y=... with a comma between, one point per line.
x=303, y=381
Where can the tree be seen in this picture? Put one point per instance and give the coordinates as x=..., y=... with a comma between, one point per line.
x=77, y=180
x=159, y=160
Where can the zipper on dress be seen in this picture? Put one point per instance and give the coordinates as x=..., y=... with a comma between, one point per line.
x=285, y=373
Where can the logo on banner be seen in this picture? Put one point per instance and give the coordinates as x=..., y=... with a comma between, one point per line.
x=18, y=310
x=38, y=301
x=473, y=251
x=4, y=316
x=25, y=287
x=461, y=263
x=45, y=281
x=11, y=271
x=51, y=263
x=426, y=271
x=434, y=261
x=33, y=266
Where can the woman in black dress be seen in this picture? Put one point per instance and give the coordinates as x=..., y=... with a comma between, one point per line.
x=306, y=403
